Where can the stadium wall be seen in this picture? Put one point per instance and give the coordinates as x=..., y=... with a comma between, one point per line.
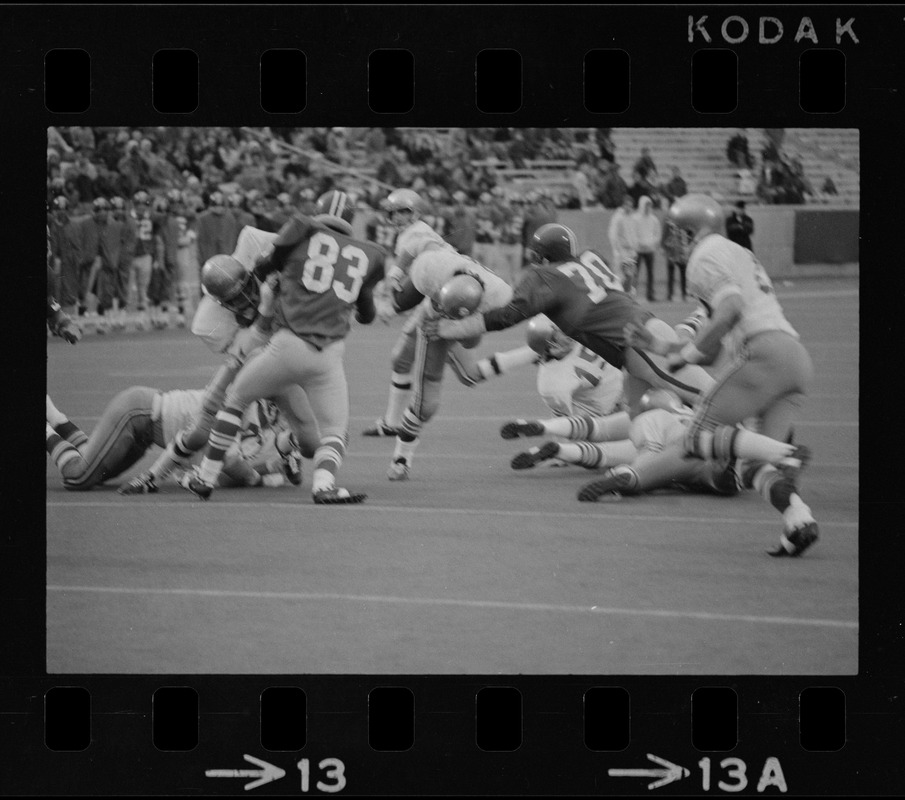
x=789, y=241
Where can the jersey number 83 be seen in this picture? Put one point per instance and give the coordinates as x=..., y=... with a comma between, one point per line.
x=328, y=266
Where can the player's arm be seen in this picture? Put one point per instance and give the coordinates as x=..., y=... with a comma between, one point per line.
x=290, y=235
x=532, y=296
x=706, y=345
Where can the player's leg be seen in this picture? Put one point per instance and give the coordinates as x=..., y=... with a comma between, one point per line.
x=583, y=454
x=123, y=434
x=323, y=375
x=501, y=363
x=464, y=364
x=427, y=377
x=63, y=426
x=296, y=408
x=581, y=428
x=400, y=381
x=265, y=375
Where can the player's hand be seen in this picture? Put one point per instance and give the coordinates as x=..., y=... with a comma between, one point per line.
x=394, y=278
x=384, y=308
x=265, y=305
x=70, y=332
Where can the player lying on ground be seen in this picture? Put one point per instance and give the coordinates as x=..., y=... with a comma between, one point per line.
x=766, y=379
x=584, y=392
x=233, y=318
x=442, y=282
x=324, y=274
x=584, y=299
x=653, y=432
x=140, y=417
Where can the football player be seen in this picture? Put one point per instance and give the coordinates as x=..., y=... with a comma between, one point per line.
x=233, y=318
x=325, y=274
x=661, y=424
x=766, y=379
x=140, y=417
x=584, y=299
x=441, y=282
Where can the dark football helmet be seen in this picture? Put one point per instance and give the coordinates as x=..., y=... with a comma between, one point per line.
x=553, y=243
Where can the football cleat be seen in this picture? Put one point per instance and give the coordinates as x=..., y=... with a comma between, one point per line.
x=535, y=455
x=292, y=462
x=612, y=483
x=521, y=427
x=336, y=496
x=399, y=470
x=196, y=486
x=140, y=484
x=792, y=466
x=793, y=544
x=379, y=428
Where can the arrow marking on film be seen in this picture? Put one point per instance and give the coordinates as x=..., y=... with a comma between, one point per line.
x=266, y=774
x=671, y=772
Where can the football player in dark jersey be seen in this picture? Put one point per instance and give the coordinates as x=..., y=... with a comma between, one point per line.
x=325, y=274
x=585, y=300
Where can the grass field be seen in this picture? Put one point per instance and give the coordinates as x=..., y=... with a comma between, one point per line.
x=469, y=567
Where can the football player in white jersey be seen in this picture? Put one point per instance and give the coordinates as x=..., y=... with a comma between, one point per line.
x=140, y=417
x=441, y=282
x=766, y=379
x=404, y=209
x=233, y=318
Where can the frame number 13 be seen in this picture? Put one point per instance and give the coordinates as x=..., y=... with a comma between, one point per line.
x=333, y=771
x=737, y=780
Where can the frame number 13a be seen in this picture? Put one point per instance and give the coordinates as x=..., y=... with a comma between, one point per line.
x=733, y=778
x=332, y=770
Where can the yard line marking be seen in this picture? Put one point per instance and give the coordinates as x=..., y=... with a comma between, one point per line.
x=427, y=510
x=442, y=601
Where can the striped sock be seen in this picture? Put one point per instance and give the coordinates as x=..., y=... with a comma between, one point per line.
x=583, y=454
x=405, y=449
x=223, y=434
x=61, y=451
x=72, y=433
x=400, y=389
x=327, y=460
x=410, y=429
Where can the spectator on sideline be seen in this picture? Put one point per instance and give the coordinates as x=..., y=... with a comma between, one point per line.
x=65, y=238
x=675, y=244
x=676, y=186
x=624, y=243
x=613, y=189
x=645, y=165
x=462, y=225
x=649, y=233
x=739, y=226
x=737, y=151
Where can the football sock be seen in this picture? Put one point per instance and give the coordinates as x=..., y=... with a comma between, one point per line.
x=590, y=429
x=61, y=451
x=327, y=460
x=592, y=456
x=405, y=450
x=223, y=434
x=72, y=433
x=631, y=484
x=726, y=442
x=778, y=490
x=410, y=427
x=500, y=363
x=400, y=389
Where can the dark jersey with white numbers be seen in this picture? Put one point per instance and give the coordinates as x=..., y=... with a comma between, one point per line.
x=323, y=274
x=582, y=297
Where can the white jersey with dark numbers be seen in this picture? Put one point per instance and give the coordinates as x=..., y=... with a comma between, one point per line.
x=719, y=268
x=215, y=325
x=579, y=383
x=434, y=268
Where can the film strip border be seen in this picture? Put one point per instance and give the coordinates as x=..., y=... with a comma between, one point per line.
x=390, y=76
x=448, y=735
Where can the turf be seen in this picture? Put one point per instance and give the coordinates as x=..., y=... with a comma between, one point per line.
x=469, y=567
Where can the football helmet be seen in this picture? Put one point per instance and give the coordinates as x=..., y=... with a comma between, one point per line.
x=698, y=215
x=142, y=198
x=335, y=203
x=460, y=296
x=403, y=201
x=235, y=288
x=545, y=339
x=215, y=199
x=553, y=243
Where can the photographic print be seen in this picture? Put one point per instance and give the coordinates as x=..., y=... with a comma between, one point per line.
x=452, y=401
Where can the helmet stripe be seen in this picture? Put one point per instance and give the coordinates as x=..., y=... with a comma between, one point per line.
x=573, y=242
